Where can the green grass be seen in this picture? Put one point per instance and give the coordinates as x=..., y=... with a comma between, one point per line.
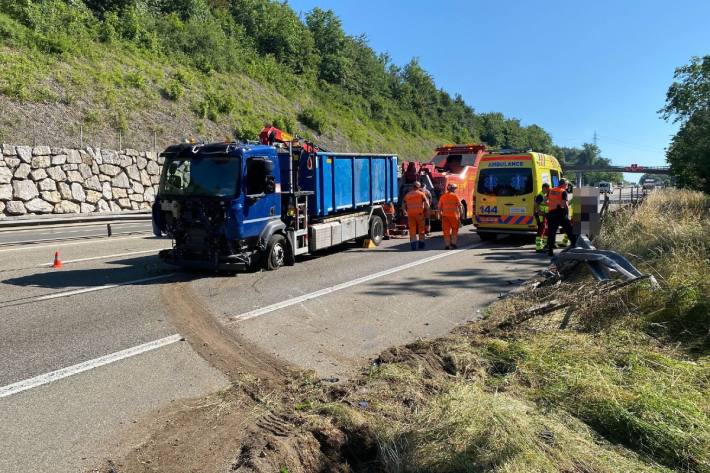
x=113, y=85
x=629, y=392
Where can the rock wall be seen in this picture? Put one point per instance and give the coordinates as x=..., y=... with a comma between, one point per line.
x=44, y=180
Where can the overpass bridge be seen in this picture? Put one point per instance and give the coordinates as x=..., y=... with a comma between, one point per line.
x=579, y=170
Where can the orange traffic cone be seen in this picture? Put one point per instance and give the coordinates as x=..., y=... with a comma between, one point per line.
x=57, y=262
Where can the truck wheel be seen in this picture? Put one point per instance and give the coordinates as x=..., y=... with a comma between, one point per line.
x=464, y=214
x=377, y=230
x=485, y=236
x=276, y=252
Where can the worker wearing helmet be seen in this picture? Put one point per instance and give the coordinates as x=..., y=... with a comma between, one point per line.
x=416, y=205
x=558, y=216
x=541, y=218
x=450, y=207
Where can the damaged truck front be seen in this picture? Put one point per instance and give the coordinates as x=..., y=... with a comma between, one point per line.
x=200, y=199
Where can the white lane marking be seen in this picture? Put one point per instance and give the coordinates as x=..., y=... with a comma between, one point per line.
x=98, y=288
x=30, y=246
x=94, y=258
x=52, y=376
x=338, y=287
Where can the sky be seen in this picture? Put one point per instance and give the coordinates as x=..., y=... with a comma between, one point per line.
x=572, y=67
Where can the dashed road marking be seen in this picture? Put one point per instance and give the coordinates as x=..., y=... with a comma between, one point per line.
x=339, y=287
x=52, y=376
x=75, y=292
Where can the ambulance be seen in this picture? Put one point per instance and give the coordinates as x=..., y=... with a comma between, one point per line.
x=507, y=184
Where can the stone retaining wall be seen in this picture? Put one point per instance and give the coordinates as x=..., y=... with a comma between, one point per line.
x=44, y=180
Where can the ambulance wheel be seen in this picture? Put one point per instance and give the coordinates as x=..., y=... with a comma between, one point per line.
x=276, y=252
x=377, y=230
x=485, y=236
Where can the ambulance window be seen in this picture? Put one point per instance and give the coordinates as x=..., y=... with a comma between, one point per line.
x=555, y=178
x=505, y=182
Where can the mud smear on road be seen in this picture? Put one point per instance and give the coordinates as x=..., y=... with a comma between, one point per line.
x=249, y=427
x=226, y=351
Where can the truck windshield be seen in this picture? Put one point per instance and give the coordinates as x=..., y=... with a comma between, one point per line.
x=505, y=182
x=205, y=177
x=445, y=161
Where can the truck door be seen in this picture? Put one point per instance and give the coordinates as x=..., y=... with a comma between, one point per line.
x=262, y=201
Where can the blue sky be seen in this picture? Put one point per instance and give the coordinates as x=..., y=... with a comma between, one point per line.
x=572, y=67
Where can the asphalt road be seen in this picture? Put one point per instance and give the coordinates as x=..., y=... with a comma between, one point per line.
x=89, y=351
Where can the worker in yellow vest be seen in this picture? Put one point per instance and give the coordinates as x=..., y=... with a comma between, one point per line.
x=541, y=218
x=450, y=208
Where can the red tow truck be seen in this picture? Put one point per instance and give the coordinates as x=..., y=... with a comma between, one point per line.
x=452, y=164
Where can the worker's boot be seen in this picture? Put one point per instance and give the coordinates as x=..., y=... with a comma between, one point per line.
x=454, y=246
x=413, y=244
x=538, y=245
x=421, y=245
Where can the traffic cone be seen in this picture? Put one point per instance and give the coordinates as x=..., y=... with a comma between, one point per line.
x=367, y=243
x=57, y=262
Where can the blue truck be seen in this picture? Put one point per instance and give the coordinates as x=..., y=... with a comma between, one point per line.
x=235, y=206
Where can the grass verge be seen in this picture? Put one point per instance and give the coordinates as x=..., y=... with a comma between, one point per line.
x=625, y=387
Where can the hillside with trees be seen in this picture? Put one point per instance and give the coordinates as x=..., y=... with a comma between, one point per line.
x=140, y=73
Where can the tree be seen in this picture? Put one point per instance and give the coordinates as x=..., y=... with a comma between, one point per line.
x=689, y=153
x=688, y=102
x=329, y=39
x=662, y=178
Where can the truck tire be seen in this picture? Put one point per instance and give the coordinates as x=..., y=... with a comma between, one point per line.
x=464, y=214
x=377, y=230
x=486, y=236
x=276, y=252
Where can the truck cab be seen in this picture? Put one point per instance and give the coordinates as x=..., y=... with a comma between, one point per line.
x=452, y=164
x=218, y=200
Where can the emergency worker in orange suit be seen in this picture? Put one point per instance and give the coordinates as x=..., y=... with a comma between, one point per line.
x=450, y=207
x=416, y=205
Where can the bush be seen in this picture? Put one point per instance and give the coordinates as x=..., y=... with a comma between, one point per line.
x=214, y=105
x=174, y=90
x=315, y=119
x=248, y=129
x=285, y=123
x=135, y=80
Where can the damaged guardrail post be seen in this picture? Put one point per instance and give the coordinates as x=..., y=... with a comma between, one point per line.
x=586, y=222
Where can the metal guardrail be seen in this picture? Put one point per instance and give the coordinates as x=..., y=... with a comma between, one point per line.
x=36, y=220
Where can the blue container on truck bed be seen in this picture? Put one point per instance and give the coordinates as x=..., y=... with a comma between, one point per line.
x=343, y=182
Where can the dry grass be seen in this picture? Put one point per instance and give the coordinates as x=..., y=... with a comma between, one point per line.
x=623, y=388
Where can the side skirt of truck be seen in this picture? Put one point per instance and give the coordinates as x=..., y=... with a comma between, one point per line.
x=339, y=229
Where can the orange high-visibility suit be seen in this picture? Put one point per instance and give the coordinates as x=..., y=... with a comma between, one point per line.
x=415, y=202
x=450, y=215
